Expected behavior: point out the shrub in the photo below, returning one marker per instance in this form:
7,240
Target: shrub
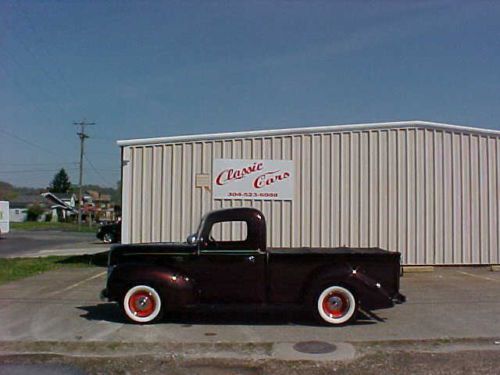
34,212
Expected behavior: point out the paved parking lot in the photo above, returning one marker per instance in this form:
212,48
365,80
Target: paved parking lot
21,243
64,306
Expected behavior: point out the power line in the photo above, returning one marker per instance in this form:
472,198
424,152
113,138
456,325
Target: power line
45,92
28,142
27,93
96,170
117,153
33,164
36,170
55,80
28,96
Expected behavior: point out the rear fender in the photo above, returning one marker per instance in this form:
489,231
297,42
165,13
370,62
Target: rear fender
176,288
369,293
332,274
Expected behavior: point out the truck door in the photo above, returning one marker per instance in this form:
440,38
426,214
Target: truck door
230,267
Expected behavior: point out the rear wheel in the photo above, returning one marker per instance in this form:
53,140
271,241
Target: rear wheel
335,305
142,304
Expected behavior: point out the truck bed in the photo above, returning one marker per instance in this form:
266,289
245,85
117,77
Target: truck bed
289,269
327,250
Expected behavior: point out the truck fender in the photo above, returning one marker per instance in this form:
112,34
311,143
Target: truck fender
335,274
175,288
369,293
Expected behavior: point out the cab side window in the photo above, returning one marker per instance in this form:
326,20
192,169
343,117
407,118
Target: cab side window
229,235
225,231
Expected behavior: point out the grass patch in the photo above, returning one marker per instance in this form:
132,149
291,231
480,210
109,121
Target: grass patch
68,227
18,268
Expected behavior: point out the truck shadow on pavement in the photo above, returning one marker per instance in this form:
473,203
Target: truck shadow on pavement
109,312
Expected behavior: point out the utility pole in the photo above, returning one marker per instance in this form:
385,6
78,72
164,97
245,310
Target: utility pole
81,134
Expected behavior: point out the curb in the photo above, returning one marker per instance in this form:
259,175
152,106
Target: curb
418,269
282,351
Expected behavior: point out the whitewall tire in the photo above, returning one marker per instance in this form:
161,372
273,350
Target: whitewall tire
108,238
142,304
336,305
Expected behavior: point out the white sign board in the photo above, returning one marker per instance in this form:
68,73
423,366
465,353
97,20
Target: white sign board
253,179
4,217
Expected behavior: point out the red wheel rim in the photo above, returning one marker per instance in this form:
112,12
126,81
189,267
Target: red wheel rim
142,304
335,304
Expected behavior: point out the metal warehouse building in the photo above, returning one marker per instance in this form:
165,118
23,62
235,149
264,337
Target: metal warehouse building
430,191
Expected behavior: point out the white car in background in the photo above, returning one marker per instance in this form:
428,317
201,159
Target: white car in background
4,217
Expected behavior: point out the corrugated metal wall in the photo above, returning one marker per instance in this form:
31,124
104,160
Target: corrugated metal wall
432,195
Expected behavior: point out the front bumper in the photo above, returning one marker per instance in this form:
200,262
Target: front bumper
398,298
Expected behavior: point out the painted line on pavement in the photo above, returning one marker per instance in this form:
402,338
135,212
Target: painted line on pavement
72,249
61,252
478,277
73,286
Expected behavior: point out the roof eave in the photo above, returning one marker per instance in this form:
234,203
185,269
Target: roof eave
308,130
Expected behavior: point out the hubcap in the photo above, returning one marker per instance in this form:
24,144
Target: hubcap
335,304
142,304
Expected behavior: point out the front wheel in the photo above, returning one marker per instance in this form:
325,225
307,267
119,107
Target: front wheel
335,305
142,304
108,238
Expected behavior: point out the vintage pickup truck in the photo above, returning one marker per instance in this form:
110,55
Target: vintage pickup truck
332,283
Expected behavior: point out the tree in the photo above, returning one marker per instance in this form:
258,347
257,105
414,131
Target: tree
34,212
7,192
60,183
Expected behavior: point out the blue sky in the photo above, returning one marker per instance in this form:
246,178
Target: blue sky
145,69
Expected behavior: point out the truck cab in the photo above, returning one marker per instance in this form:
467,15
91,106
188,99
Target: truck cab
236,267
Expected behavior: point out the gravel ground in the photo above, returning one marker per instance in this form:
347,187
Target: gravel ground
469,356
383,363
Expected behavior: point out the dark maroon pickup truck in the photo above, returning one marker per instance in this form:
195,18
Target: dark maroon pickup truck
332,283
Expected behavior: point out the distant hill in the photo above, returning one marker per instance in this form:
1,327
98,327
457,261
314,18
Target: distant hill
9,192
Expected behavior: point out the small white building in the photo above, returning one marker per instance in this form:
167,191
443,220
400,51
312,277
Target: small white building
427,190
18,215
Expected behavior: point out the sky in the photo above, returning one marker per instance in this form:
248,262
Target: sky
159,68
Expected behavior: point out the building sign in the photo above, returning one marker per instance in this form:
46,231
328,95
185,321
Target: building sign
253,179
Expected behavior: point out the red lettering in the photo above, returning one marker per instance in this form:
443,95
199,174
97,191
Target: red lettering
230,174
269,178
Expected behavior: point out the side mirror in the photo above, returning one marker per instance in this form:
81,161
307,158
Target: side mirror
192,239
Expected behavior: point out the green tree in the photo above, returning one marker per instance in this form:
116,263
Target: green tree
60,183
7,192
34,212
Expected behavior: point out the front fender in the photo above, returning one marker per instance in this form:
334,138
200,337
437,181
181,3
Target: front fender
175,288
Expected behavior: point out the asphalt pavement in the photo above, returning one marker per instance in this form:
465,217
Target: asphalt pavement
55,322
450,303
20,243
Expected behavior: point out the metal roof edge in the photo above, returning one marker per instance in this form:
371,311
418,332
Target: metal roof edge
307,130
